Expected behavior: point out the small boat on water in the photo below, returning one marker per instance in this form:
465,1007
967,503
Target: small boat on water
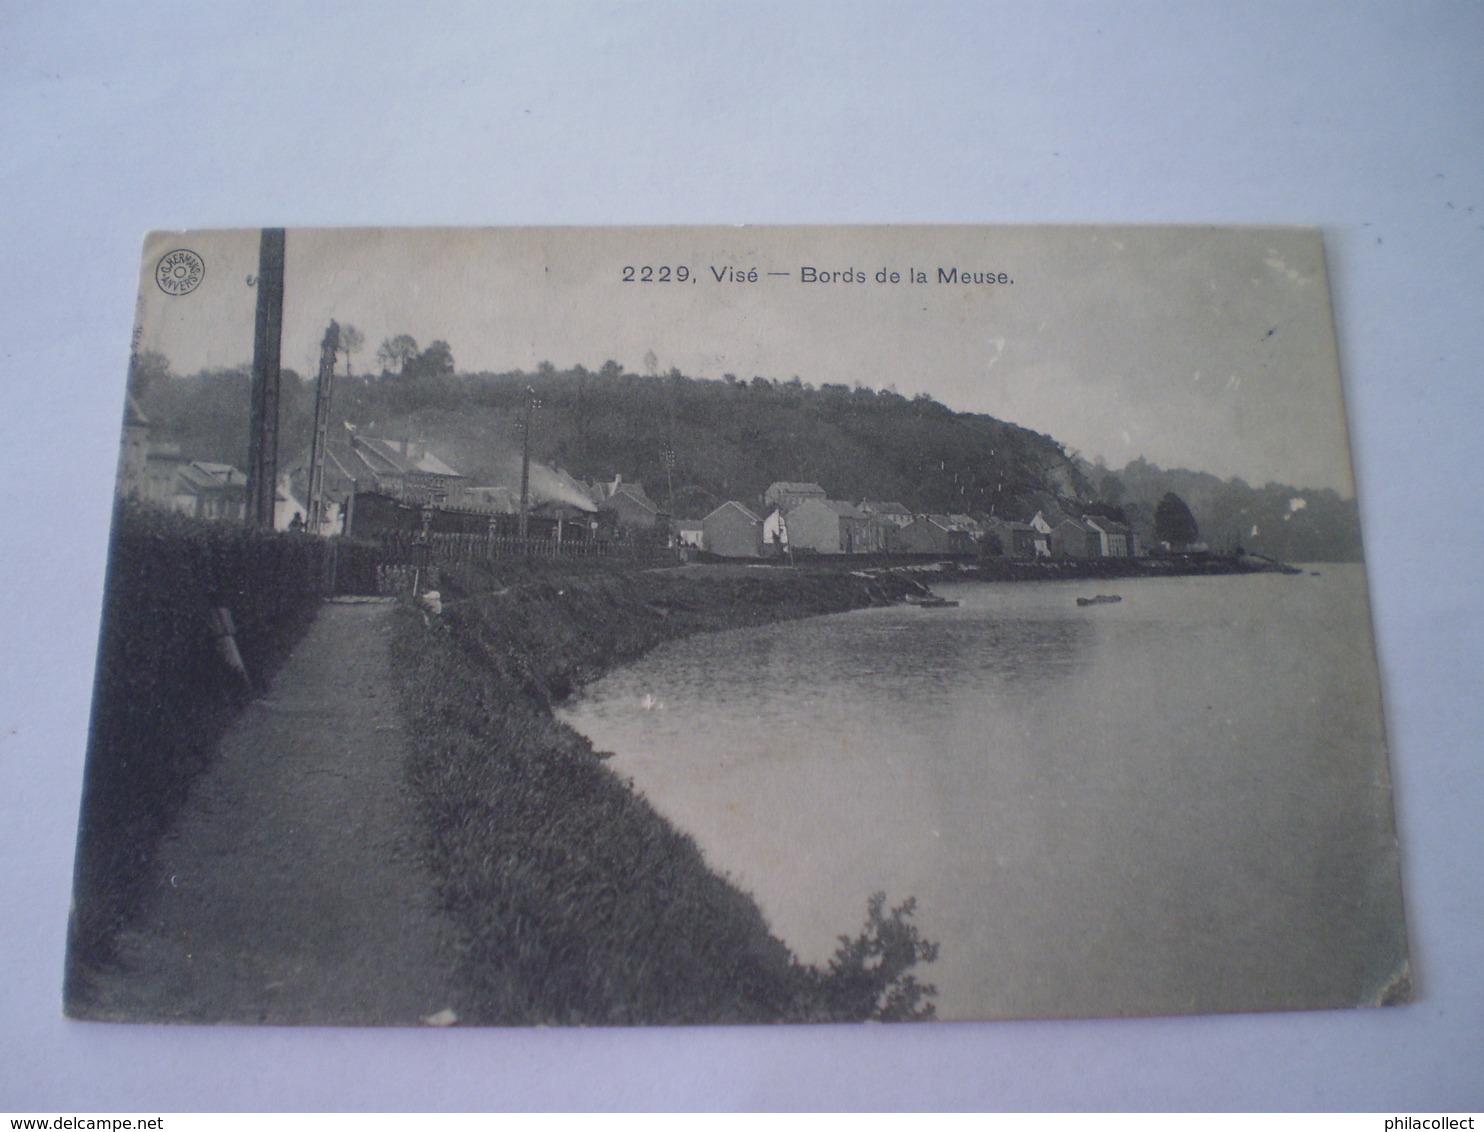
929,601
1101,599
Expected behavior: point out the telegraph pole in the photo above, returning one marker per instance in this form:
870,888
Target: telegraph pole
262,449
668,455
327,351
525,459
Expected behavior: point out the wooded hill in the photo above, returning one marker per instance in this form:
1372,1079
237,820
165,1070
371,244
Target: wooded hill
731,438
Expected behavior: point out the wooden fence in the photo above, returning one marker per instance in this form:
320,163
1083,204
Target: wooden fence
474,548
404,549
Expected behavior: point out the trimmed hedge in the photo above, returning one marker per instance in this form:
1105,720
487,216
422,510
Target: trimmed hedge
164,693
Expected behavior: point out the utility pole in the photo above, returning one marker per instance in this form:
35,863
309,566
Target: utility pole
323,392
668,455
262,449
525,459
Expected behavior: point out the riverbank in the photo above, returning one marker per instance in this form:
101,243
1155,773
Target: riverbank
1152,566
976,568
575,901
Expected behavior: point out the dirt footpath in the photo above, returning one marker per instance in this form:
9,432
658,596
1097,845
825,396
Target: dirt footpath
292,889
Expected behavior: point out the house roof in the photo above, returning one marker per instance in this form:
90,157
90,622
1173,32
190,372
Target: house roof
201,475
786,487
1107,526
601,491
1051,516
942,522
843,509
226,473
339,465
636,493
388,458
877,507
351,457
739,506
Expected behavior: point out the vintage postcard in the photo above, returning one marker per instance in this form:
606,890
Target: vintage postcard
733,625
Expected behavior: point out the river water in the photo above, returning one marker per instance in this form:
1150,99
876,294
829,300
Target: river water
1177,803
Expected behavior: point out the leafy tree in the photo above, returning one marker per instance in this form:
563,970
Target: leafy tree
206,414
870,977
1173,522
351,341
396,353
435,361
146,368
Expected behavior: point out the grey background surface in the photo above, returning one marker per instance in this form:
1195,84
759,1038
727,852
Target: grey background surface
1365,119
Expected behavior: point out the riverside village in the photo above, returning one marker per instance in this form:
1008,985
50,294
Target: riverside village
401,493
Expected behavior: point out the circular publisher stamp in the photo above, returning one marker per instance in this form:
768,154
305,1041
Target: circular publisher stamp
180,272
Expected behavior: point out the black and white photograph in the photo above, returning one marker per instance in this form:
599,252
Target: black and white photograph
701,625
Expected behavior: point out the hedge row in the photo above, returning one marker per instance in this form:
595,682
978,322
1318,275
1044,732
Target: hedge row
164,690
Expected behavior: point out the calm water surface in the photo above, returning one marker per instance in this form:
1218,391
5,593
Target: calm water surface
1175,803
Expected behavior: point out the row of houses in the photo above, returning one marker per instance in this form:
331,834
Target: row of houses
795,517
1054,534
402,471
409,472
801,517
159,474
156,472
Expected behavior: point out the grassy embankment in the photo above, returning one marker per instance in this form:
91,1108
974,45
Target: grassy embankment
578,902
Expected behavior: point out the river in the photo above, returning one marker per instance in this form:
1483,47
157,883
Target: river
1177,803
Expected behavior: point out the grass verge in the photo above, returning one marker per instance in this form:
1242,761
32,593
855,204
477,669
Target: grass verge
576,901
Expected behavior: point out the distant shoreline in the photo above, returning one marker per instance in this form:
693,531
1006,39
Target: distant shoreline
974,568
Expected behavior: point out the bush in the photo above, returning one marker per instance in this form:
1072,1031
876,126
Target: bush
868,977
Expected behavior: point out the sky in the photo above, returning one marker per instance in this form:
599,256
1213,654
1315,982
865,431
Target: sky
1206,348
